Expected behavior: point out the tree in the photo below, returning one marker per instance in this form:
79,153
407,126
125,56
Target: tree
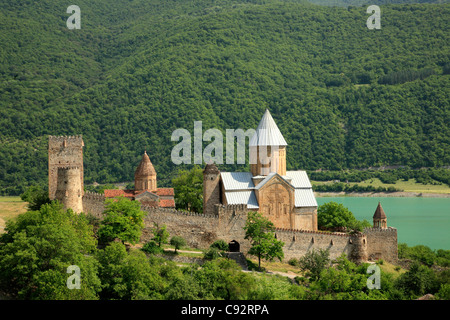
188,186
124,220
37,249
260,232
314,262
36,196
126,275
161,235
332,215
177,242
418,281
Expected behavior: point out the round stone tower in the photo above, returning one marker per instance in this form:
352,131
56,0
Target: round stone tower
145,175
211,188
69,189
358,252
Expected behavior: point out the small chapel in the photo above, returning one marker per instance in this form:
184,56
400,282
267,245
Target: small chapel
284,197
145,187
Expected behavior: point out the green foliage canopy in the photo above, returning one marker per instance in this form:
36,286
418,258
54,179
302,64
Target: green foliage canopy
124,220
260,232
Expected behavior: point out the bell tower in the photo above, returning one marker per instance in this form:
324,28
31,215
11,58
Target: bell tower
379,218
145,175
267,148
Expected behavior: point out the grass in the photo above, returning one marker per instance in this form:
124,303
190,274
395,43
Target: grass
276,266
407,186
10,208
390,268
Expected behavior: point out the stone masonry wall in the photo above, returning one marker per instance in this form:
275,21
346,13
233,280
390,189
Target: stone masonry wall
94,203
200,230
382,244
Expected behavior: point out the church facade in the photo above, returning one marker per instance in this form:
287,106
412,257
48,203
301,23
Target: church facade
284,197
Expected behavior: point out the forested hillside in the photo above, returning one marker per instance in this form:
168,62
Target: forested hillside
343,96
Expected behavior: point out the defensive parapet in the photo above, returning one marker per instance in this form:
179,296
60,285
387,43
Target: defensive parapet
382,244
298,242
63,151
94,203
158,211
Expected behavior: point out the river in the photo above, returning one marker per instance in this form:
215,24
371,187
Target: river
418,220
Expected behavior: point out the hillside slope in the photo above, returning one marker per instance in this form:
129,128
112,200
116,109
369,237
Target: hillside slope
138,70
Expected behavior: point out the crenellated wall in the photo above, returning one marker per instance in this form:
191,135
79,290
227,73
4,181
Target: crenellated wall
228,221
382,244
298,242
199,230
94,203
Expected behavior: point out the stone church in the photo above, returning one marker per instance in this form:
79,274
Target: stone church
285,197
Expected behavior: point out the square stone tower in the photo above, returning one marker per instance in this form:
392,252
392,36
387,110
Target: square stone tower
64,152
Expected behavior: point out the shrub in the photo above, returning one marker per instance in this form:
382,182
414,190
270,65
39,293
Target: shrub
212,253
293,262
220,245
152,248
177,242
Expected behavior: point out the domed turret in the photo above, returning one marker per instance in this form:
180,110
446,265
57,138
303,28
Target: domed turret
379,218
145,175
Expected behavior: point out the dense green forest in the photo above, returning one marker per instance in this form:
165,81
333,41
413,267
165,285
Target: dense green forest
343,96
347,3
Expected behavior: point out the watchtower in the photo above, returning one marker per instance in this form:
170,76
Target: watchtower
211,188
69,190
64,152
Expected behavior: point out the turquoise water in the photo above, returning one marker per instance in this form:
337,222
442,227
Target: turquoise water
418,220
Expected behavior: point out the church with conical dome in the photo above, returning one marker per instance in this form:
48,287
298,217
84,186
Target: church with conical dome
285,197
145,187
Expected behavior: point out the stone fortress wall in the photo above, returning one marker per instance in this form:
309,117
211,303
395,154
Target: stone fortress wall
201,230
222,222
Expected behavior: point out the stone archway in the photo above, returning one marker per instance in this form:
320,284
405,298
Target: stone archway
234,246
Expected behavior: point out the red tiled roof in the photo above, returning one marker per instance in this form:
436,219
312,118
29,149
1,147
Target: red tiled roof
164,192
111,193
167,203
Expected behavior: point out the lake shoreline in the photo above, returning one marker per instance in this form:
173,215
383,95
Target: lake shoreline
382,194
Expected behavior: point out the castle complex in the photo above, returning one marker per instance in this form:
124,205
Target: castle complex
284,197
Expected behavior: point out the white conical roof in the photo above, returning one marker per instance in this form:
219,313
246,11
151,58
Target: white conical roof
267,133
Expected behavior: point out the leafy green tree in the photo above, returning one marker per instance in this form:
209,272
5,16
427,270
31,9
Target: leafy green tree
36,196
178,242
223,279
37,249
260,232
314,262
418,281
188,187
332,215
160,234
124,220
127,276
